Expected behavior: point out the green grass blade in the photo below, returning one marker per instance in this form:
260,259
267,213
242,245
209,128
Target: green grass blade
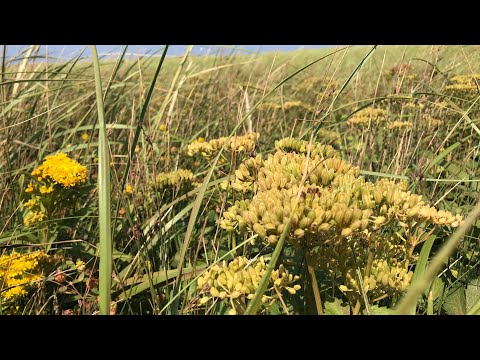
422,264
440,156
410,299
104,216
142,117
255,303
359,66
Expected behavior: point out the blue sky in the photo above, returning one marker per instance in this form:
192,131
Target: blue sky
67,51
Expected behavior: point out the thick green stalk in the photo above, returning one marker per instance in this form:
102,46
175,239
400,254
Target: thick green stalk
104,216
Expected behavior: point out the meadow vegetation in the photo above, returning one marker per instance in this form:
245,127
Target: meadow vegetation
334,181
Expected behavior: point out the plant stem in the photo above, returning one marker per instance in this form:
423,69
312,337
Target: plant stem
316,291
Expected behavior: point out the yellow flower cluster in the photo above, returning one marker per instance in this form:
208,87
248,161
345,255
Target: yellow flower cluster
287,105
61,170
239,144
400,125
414,105
364,116
34,217
240,279
431,122
464,85
291,144
329,136
295,105
386,278
173,179
18,272
316,83
336,212
128,189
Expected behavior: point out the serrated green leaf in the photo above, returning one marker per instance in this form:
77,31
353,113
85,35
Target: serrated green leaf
455,303
336,308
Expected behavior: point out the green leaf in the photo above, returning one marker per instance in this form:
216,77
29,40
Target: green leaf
473,293
421,265
455,303
437,288
440,156
335,308
380,310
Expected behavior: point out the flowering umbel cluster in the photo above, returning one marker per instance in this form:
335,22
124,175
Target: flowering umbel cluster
238,280
367,115
19,272
344,221
173,180
244,144
53,182
464,85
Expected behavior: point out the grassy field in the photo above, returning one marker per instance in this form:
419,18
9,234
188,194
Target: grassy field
332,181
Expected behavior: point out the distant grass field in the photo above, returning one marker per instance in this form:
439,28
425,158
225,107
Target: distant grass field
196,217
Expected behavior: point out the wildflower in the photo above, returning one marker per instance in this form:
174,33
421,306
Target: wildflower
128,189
173,179
80,265
400,125
240,278
85,137
29,188
163,128
20,271
337,212
46,190
296,104
239,144
34,217
31,203
61,170
367,115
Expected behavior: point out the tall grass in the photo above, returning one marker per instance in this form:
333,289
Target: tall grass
152,245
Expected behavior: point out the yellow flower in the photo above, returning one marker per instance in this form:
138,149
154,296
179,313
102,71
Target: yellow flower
85,137
33,217
163,127
46,190
20,271
29,188
61,170
80,265
31,203
128,189
201,139
173,179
